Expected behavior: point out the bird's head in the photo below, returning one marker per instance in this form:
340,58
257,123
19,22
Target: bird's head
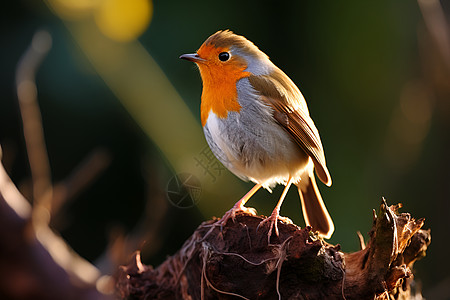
223,60
227,54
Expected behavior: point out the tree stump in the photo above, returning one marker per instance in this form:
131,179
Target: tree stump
236,262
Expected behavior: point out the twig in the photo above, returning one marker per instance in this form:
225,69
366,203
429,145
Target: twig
362,244
32,124
76,267
437,25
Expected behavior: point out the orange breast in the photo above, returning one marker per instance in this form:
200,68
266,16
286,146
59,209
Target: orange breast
219,93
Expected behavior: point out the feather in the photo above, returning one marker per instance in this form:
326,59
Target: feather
291,112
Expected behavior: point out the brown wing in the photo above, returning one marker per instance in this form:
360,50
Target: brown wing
292,113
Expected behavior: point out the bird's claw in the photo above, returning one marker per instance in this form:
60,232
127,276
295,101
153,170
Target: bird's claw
273,220
273,226
231,214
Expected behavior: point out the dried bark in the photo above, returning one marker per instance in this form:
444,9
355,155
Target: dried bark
236,262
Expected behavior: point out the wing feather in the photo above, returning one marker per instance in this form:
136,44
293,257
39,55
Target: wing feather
291,111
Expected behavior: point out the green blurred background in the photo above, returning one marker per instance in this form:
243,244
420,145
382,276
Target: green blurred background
375,76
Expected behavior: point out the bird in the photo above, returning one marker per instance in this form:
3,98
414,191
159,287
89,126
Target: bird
257,123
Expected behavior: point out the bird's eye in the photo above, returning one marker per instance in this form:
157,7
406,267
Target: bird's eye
224,56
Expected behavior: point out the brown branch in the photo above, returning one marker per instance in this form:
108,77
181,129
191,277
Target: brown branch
434,18
32,124
36,262
237,263
29,269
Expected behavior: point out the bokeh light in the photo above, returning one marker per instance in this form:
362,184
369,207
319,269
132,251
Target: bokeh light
123,20
120,20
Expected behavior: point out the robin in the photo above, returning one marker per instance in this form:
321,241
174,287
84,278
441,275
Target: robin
257,124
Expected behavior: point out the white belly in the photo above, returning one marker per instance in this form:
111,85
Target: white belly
255,148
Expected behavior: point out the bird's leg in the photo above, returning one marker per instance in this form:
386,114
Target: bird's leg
275,216
231,214
239,206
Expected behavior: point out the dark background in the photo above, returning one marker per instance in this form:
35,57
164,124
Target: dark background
374,76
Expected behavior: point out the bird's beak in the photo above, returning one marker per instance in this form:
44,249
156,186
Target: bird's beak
192,57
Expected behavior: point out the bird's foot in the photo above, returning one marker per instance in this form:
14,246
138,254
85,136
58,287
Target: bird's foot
273,223
231,214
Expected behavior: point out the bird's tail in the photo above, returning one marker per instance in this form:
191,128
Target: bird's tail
314,210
